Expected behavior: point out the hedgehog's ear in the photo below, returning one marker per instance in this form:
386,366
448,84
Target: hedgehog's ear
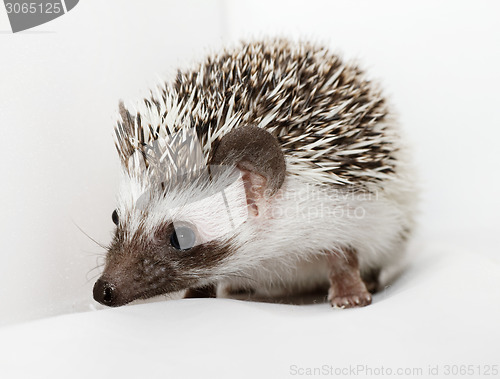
258,155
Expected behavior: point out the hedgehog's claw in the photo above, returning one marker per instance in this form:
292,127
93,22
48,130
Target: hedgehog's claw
350,301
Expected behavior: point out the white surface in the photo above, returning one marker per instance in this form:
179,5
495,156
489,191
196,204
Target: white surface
443,311
59,88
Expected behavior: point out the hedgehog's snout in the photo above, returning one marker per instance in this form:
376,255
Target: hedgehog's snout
105,293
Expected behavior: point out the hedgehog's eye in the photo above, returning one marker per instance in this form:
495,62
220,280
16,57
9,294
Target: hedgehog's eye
114,217
183,238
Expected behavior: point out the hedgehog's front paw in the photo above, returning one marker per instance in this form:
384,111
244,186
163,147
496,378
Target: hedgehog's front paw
201,292
350,301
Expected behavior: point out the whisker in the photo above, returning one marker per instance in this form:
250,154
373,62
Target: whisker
97,266
93,277
94,254
92,239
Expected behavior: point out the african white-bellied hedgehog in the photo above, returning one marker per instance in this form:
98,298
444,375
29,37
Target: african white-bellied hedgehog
272,166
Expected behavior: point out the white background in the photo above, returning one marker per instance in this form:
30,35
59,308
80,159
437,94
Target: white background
60,84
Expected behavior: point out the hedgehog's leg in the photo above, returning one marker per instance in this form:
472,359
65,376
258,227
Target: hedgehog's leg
206,291
371,279
347,289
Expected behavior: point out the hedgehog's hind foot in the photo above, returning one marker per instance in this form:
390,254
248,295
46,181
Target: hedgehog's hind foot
347,289
350,301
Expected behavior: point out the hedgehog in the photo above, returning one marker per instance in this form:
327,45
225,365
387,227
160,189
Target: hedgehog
272,167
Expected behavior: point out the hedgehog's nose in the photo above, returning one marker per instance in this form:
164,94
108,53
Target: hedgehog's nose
105,293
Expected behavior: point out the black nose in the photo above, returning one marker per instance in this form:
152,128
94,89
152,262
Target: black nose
105,293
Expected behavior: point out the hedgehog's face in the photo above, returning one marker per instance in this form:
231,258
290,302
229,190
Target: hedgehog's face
165,260
173,237
165,242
